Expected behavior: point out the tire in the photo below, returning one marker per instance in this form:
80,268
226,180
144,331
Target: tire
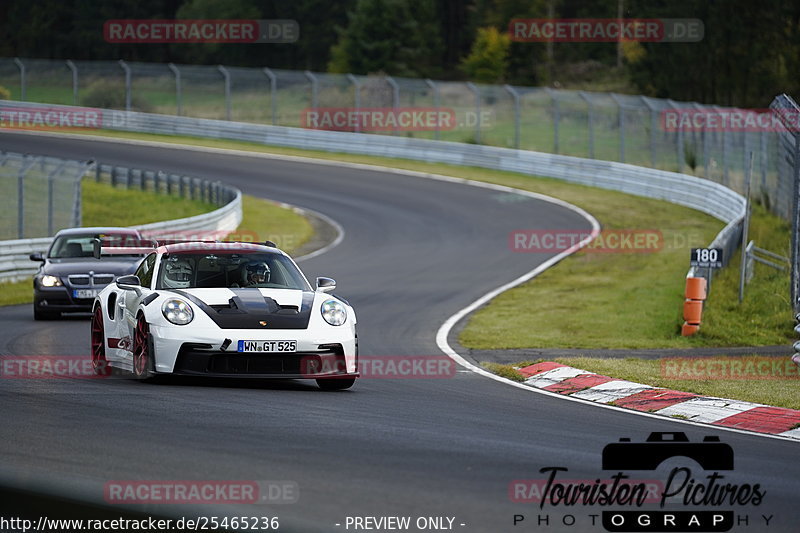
331,384
45,315
100,365
143,367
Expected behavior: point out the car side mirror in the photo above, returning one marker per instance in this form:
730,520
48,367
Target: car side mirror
326,284
129,283
37,257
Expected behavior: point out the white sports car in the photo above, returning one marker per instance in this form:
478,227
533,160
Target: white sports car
226,310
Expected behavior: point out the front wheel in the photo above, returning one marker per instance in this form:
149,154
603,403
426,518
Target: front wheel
143,367
335,383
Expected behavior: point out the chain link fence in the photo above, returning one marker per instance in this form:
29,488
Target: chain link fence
39,195
606,126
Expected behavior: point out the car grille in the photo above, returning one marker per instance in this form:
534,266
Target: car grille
84,280
194,360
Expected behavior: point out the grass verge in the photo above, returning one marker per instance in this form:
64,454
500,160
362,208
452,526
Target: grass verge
782,391
104,205
605,300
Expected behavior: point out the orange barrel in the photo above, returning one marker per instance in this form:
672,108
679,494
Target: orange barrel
696,288
689,329
692,311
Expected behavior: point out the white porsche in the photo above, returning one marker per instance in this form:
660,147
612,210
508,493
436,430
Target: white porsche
226,310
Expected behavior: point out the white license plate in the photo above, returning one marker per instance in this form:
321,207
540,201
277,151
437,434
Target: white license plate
84,293
267,346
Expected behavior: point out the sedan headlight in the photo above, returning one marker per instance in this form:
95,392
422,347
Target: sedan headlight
50,281
333,312
177,311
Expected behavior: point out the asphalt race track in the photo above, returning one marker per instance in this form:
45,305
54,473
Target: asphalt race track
415,252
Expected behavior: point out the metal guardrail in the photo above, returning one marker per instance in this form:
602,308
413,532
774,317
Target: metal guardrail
697,193
14,261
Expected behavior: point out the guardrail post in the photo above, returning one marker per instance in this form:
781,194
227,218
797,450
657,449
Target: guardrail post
74,70
515,95
127,71
23,79
273,93
436,104
395,97
356,97
471,86
227,77
178,88
314,88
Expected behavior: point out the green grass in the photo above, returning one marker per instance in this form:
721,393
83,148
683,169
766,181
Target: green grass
104,205
602,300
261,220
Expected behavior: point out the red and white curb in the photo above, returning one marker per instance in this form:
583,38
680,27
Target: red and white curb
576,383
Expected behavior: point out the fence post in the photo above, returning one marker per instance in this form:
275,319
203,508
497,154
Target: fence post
515,95
395,96
436,104
77,197
314,87
764,161
23,80
273,93
127,71
356,97
621,125
556,117
21,195
227,79
590,121
471,86
178,88
74,70
50,179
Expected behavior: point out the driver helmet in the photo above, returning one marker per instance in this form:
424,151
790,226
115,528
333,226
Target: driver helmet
256,273
178,273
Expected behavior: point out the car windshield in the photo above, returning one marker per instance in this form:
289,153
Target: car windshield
231,270
81,245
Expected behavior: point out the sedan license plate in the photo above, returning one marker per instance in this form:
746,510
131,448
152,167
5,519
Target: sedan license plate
267,346
84,293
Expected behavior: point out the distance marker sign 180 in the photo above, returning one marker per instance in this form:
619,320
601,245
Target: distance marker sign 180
706,257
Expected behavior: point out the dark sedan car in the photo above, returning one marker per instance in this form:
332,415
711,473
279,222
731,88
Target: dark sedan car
70,276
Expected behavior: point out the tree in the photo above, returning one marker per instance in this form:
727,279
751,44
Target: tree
488,60
399,37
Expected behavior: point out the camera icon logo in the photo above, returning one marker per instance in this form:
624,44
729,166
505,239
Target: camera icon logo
711,454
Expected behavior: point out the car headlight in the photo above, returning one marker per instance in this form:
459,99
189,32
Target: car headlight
50,281
177,311
333,312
